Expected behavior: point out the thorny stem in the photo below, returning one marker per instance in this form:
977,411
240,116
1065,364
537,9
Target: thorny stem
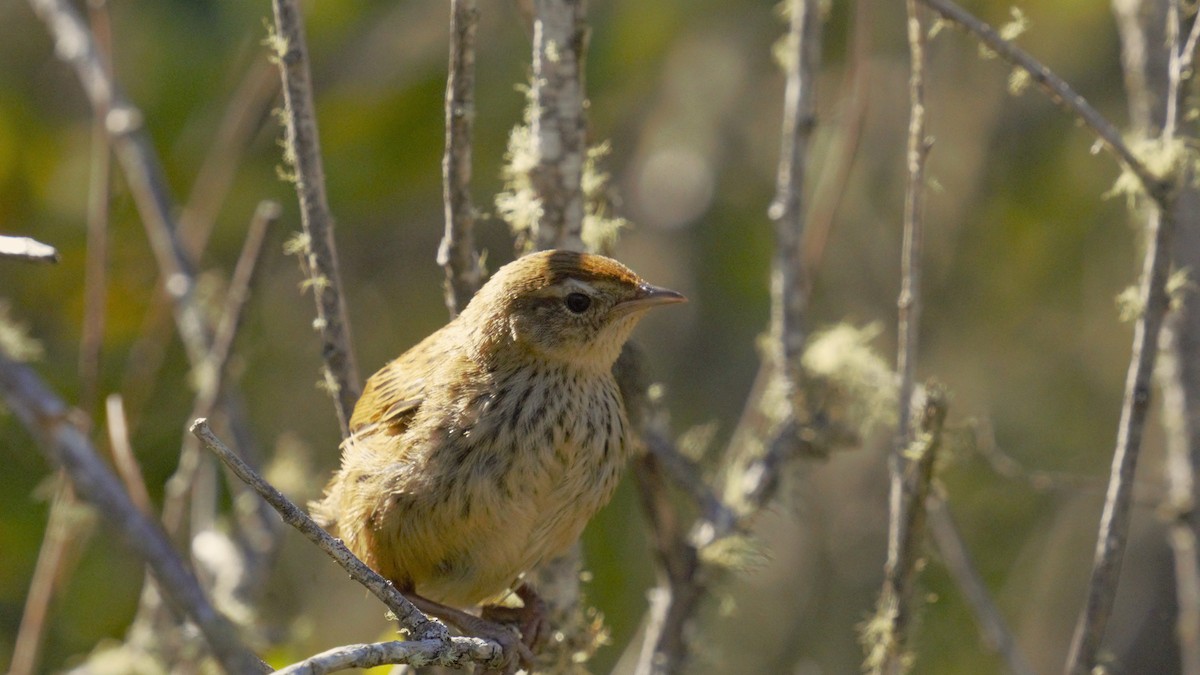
457,251
320,254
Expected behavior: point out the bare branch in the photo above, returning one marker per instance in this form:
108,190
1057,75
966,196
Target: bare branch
460,652
849,132
1179,505
681,586
910,472
1114,521
48,419
209,373
457,252
1061,93
123,457
789,282
95,282
65,533
27,249
418,625
243,117
559,126
909,303
957,559
124,124
320,255
886,635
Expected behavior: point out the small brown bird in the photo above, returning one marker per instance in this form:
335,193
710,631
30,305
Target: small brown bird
485,449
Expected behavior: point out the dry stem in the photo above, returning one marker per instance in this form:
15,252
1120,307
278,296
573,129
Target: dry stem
457,251
48,419
320,254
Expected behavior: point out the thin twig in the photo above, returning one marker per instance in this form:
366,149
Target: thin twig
95,283
886,635
559,125
457,252
957,559
459,653
1114,521
64,536
320,254
681,586
243,117
244,114
46,417
123,457
124,124
789,282
418,625
910,474
835,175
1059,92
27,249
209,374
909,303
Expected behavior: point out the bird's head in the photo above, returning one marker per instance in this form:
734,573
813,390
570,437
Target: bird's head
563,306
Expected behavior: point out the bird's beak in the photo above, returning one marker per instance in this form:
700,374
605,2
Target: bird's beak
648,296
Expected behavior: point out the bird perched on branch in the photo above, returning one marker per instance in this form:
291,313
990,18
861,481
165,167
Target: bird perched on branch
484,450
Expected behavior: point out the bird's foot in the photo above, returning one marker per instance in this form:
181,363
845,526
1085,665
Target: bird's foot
517,654
530,619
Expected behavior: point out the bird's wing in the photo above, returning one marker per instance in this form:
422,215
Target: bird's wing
394,394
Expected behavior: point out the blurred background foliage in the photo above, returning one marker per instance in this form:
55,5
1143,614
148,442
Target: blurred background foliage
1024,258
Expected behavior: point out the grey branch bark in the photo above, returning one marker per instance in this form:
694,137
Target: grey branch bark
457,654
559,125
1154,65
27,249
1114,521
48,419
457,254
910,472
418,625
320,255
789,282
886,637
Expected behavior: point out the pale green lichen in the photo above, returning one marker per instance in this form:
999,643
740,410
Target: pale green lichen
1163,159
519,206
15,340
849,382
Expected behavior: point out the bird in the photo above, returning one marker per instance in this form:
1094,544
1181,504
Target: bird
484,450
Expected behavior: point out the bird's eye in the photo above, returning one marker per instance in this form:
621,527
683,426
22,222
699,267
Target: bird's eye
578,302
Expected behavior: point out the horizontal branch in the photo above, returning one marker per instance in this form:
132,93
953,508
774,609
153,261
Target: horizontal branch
27,249
49,419
460,652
